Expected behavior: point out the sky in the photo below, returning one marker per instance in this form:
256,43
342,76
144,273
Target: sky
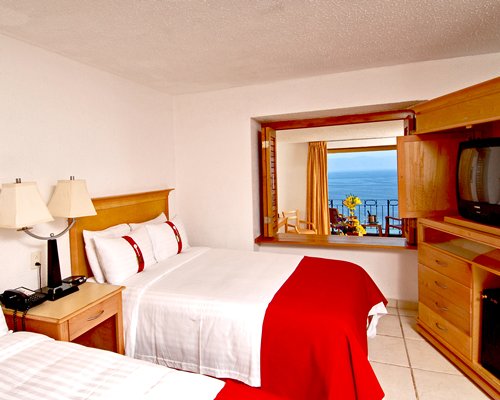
362,161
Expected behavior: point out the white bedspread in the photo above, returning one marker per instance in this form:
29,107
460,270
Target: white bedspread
203,310
33,366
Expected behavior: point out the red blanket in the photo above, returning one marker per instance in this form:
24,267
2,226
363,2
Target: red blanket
314,343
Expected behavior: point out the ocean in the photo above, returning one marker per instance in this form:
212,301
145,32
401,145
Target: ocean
367,185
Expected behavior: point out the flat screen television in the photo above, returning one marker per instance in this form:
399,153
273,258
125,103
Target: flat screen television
478,180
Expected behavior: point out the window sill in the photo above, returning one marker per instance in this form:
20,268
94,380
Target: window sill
293,239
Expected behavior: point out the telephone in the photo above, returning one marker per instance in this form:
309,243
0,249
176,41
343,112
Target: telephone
21,298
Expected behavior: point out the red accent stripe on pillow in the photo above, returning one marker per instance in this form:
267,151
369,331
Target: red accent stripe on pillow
177,235
138,252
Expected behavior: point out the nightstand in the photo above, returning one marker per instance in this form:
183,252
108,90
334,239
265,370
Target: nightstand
92,317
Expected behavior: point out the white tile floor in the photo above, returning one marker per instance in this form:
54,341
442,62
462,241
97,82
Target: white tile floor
408,367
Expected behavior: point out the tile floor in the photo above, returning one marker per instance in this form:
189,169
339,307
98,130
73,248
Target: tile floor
408,367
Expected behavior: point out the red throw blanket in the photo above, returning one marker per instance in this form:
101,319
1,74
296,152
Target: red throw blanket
314,343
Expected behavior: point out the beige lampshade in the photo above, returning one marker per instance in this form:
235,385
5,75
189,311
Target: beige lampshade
71,200
21,205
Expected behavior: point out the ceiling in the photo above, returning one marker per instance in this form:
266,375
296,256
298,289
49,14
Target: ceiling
185,46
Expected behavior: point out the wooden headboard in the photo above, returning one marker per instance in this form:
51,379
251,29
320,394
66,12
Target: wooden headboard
114,210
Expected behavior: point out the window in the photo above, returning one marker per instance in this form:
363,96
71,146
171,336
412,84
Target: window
278,182
371,175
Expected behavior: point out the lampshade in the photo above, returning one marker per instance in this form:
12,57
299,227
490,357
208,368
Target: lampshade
21,205
71,199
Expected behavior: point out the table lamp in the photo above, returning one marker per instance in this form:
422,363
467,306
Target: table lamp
21,207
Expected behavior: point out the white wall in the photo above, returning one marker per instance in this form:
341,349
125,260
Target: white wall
216,141
61,118
291,166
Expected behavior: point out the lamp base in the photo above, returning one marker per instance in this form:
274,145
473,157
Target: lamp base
58,292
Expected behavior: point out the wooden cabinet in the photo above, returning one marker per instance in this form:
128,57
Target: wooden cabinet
470,106
427,159
457,260
92,317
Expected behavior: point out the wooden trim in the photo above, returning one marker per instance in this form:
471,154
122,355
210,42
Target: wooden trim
340,120
362,149
114,210
364,242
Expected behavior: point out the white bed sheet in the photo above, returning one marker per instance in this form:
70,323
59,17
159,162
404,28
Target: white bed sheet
203,310
33,366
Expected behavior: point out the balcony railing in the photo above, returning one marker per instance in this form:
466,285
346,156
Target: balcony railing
380,208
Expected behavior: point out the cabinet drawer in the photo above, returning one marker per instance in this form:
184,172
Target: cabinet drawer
447,265
442,306
445,330
447,288
92,317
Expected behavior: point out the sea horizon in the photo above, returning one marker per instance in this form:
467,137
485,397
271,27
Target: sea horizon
367,185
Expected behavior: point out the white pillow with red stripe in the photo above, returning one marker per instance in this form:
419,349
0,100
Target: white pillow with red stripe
88,238
121,258
180,226
168,238
165,241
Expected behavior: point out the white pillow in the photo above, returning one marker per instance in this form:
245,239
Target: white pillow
3,325
158,220
88,237
119,260
180,226
164,240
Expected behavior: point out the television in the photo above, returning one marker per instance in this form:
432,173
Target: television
478,180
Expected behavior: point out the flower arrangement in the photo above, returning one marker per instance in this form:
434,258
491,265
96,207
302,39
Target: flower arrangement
359,228
351,202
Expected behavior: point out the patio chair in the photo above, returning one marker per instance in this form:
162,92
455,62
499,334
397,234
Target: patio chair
297,225
395,223
336,221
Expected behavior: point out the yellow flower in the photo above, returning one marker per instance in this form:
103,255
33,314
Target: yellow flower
351,202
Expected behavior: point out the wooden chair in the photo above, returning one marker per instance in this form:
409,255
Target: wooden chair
336,220
396,223
298,225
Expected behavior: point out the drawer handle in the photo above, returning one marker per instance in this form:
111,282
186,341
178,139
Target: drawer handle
440,285
95,316
441,327
441,308
441,263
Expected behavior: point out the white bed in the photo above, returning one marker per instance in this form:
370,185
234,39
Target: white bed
183,314
34,366
203,310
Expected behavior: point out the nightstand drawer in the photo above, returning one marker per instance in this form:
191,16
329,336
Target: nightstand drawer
443,263
444,329
93,316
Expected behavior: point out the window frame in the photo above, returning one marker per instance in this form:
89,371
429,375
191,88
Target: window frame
270,235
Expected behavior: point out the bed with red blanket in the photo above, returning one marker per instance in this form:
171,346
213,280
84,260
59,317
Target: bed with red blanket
294,326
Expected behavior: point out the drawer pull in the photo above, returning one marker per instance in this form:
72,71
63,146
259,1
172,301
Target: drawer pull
441,327
441,308
440,285
95,316
441,263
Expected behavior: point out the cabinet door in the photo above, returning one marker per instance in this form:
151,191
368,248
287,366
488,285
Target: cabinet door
426,174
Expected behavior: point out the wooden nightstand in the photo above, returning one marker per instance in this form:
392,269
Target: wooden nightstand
92,317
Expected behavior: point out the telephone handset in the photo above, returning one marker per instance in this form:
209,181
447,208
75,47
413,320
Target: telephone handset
21,299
